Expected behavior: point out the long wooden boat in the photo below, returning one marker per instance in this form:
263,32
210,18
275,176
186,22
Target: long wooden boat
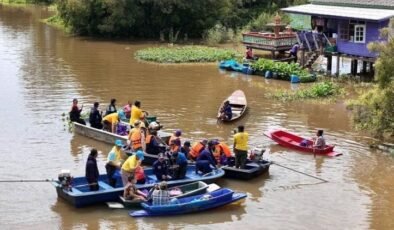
186,190
191,204
251,170
80,195
293,141
108,137
238,105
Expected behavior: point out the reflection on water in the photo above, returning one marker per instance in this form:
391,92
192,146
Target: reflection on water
42,70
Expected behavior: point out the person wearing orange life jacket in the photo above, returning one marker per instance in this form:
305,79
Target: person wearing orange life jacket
176,139
152,143
197,148
137,136
221,152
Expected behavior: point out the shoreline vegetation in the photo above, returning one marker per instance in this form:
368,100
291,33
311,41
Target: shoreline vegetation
186,54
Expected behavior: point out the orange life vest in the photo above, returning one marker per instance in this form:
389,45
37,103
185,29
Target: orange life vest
196,149
174,148
139,173
221,148
136,141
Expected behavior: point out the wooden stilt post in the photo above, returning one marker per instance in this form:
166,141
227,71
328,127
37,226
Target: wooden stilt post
355,66
338,62
364,70
329,64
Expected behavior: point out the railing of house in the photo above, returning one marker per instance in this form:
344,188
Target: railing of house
269,39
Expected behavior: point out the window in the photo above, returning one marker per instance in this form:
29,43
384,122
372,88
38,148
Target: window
344,31
359,33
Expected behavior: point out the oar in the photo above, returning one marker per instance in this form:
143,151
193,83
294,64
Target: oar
318,178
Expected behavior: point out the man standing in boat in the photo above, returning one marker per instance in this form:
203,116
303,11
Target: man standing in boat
114,162
241,147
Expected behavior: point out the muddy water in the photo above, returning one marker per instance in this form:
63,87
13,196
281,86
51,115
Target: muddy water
42,69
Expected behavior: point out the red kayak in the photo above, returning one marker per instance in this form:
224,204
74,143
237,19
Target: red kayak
293,141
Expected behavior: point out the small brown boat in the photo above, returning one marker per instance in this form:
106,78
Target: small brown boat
238,105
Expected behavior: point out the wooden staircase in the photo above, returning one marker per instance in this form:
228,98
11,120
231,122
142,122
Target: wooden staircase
312,58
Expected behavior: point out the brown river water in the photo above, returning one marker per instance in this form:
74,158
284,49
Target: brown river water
42,70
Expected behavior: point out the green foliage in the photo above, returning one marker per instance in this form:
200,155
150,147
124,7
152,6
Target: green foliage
318,90
374,110
284,69
260,23
184,54
219,34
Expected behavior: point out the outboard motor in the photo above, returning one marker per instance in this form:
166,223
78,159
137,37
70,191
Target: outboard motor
65,179
257,154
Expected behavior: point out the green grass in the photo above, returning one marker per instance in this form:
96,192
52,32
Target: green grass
316,91
57,22
185,54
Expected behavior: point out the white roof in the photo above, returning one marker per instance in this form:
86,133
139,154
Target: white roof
341,11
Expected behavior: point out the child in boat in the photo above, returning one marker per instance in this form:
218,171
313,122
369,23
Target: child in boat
319,142
131,192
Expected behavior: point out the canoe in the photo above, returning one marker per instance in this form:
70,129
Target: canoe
238,104
293,141
191,204
80,195
108,137
252,170
186,190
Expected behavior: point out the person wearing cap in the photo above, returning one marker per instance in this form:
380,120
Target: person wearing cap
161,196
205,160
127,109
130,165
241,147
137,136
91,171
131,192
185,149
114,161
176,140
111,107
75,113
136,113
221,152
110,121
160,168
152,143
95,117
180,165
226,112
197,148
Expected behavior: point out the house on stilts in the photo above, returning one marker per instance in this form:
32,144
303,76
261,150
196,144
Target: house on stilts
340,29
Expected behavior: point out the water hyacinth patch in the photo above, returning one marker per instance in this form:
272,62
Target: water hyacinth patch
185,54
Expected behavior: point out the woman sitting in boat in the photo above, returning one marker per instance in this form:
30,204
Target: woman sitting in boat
75,113
95,117
226,112
111,107
161,196
131,192
205,160
319,142
110,121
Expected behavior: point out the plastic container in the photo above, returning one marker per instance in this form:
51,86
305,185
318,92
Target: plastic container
151,119
268,74
294,79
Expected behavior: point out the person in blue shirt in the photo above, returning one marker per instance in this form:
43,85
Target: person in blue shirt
205,160
180,166
226,112
160,169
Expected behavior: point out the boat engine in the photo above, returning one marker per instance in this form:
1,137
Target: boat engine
257,154
65,179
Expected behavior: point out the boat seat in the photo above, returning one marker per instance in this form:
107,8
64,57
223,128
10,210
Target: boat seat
104,185
286,139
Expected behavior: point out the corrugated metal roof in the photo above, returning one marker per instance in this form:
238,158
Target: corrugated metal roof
340,11
358,3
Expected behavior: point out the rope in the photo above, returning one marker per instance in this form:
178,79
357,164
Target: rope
318,178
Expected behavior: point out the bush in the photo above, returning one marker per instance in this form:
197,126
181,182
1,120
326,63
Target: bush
182,54
318,90
219,34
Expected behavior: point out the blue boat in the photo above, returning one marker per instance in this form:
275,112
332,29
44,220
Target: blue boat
191,204
233,65
79,195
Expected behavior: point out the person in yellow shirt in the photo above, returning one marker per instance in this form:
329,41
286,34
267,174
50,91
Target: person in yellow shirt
131,164
241,147
114,161
111,120
136,113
